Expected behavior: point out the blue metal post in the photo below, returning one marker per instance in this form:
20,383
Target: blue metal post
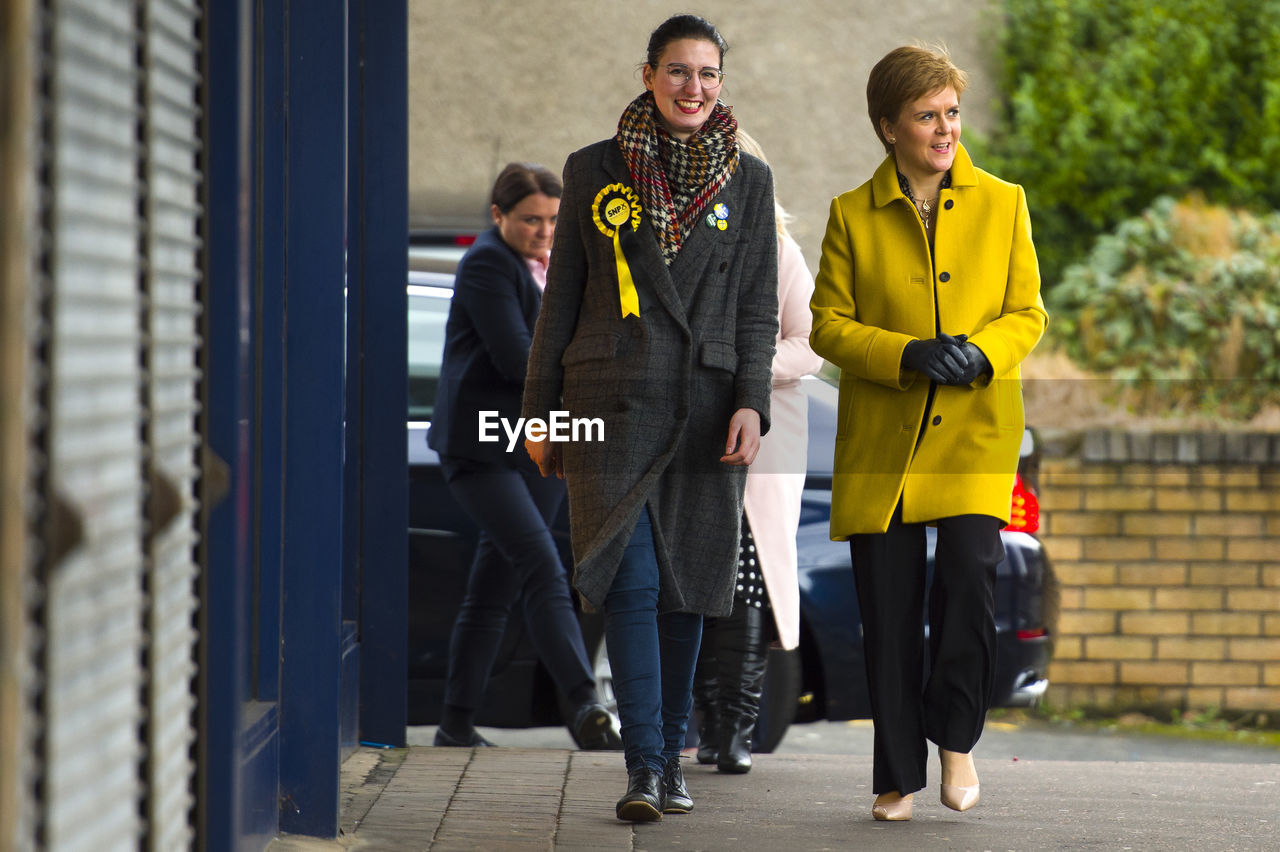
224,781
313,295
271,229
379,229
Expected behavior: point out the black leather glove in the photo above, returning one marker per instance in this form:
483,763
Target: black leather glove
941,361
975,362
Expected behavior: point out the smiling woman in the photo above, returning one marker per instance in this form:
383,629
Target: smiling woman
660,316
685,85
928,299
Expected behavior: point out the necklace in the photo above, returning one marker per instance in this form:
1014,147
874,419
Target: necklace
924,205
926,210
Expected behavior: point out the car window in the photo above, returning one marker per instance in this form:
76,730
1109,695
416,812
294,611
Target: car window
428,310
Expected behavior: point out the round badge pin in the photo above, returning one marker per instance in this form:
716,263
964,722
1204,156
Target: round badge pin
721,212
722,224
614,206
711,220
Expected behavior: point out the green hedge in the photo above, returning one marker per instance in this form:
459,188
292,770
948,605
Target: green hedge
1108,104
1181,306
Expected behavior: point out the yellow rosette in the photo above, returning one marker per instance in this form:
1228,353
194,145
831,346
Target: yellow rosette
614,205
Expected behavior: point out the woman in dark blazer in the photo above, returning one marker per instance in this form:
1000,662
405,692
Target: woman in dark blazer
497,293
659,321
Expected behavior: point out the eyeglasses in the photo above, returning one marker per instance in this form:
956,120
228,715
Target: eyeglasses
680,74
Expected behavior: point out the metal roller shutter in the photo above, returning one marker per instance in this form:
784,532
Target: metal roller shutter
21,334
90,748
171,214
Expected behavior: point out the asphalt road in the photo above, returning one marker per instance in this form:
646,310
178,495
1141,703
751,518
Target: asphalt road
1000,741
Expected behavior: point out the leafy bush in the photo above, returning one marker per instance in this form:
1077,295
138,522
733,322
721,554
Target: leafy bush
1108,105
1181,306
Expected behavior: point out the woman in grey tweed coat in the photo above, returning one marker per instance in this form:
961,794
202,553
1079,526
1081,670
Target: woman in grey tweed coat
659,321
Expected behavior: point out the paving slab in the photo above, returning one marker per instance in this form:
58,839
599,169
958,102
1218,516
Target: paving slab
524,798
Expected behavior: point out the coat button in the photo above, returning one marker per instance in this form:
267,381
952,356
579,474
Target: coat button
724,266
948,204
636,332
944,277
937,419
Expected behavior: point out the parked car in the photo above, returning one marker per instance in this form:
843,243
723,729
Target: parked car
823,679
440,249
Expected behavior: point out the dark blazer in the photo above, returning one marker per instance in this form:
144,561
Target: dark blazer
665,383
487,336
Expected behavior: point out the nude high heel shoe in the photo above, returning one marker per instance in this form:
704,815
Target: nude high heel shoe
892,807
958,797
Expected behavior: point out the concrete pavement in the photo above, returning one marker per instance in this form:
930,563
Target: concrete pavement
519,798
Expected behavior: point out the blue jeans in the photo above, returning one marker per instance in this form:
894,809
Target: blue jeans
652,656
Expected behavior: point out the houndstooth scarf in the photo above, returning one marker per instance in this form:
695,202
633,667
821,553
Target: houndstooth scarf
676,180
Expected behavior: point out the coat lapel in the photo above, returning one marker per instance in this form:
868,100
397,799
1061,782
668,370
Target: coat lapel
530,294
647,264
703,239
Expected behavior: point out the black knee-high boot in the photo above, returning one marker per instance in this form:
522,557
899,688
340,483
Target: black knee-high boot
705,693
742,655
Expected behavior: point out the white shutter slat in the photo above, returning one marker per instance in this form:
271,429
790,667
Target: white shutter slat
171,58
93,634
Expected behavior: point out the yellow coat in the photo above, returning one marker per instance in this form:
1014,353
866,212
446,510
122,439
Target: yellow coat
877,289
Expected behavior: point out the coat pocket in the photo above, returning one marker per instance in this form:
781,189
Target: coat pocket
592,347
1009,414
719,354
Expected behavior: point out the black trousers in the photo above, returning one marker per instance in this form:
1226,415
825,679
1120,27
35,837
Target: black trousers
516,562
950,705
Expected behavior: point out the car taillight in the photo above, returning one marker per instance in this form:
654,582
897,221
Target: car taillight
464,239
1037,633
1025,512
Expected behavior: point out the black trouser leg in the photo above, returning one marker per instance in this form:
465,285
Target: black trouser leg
705,693
741,653
516,563
888,570
962,630
951,708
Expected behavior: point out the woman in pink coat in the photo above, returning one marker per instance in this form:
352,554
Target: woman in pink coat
731,662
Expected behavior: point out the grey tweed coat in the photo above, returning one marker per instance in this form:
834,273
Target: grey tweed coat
665,383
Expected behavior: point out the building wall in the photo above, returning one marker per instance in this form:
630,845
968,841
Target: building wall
495,82
1167,548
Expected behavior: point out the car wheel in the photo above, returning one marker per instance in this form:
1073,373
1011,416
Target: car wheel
779,699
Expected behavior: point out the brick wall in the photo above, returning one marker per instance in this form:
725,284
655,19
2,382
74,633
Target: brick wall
1167,549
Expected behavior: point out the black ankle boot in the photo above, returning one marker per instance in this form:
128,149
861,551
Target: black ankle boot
471,740
644,799
742,656
678,800
735,744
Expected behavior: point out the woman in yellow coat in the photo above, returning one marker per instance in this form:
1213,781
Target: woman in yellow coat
927,298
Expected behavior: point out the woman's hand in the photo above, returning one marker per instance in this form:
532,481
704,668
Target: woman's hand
976,362
744,437
941,361
546,455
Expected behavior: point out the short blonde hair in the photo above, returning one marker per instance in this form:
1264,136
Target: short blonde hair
746,142
905,74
